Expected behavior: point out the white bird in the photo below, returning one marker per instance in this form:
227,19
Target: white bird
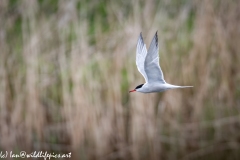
148,65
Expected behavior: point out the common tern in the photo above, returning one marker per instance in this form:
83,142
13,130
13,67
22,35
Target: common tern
148,65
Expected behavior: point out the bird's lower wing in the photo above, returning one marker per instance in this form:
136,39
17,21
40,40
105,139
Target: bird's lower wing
154,72
151,65
140,56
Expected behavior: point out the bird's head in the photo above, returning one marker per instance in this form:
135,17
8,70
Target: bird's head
136,89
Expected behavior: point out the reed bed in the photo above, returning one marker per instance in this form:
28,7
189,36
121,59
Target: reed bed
66,68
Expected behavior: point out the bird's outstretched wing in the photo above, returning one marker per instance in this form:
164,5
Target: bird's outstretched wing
140,56
151,63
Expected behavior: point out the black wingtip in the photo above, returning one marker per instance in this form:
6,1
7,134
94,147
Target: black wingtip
140,41
156,38
140,36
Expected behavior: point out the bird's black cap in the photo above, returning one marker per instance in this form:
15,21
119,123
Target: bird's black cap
139,86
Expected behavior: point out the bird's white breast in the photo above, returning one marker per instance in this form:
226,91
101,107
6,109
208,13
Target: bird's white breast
156,87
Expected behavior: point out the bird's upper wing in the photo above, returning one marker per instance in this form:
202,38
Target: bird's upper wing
151,64
140,56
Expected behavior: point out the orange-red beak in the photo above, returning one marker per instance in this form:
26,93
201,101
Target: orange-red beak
132,90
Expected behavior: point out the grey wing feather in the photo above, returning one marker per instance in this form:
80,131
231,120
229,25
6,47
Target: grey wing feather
151,64
140,56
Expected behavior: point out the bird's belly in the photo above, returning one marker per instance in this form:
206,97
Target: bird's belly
155,88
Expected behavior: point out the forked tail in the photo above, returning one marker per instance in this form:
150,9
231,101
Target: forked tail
185,86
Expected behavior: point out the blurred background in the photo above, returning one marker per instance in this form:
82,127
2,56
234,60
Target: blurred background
66,68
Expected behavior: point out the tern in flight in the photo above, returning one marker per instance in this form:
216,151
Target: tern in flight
148,65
